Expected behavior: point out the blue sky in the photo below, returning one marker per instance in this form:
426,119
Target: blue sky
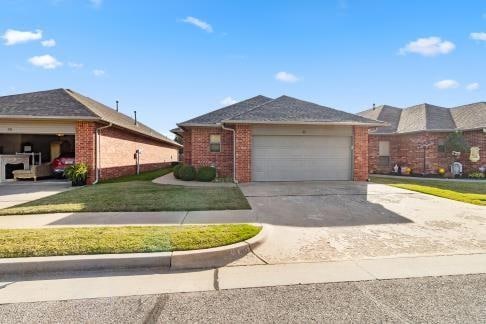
173,60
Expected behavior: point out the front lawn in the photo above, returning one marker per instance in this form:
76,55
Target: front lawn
129,239
133,196
469,192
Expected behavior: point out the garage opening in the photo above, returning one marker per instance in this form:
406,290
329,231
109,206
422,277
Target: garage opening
37,153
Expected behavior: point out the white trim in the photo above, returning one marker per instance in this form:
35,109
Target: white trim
301,123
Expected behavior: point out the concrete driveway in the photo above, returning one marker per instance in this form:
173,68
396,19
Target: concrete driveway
328,221
14,193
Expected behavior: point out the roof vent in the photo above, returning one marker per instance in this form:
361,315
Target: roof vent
374,106
117,105
135,114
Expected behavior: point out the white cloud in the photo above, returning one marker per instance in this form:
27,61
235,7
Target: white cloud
228,101
12,36
198,23
446,84
48,43
75,65
96,3
47,62
98,72
430,46
478,36
472,86
286,77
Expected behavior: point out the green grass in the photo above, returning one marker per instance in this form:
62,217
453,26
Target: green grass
129,239
134,196
469,192
143,176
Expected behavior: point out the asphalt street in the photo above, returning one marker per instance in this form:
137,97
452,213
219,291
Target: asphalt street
451,299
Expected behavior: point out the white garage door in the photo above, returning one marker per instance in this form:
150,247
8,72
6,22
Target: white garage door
300,158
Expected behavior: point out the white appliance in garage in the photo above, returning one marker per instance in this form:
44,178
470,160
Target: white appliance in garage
301,157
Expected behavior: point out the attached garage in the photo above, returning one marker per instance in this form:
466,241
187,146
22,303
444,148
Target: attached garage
301,153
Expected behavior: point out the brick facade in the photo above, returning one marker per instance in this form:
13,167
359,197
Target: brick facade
243,153
85,146
197,153
407,150
117,149
360,148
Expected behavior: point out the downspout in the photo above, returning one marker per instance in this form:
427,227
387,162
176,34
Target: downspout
97,152
234,151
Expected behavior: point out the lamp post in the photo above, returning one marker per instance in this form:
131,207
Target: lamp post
425,146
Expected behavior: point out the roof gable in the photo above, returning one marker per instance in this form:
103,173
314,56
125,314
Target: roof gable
286,109
217,116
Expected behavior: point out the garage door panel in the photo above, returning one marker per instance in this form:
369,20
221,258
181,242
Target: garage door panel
294,158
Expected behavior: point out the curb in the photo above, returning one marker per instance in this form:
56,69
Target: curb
179,260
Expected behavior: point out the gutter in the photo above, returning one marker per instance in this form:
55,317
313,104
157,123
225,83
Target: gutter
97,152
234,151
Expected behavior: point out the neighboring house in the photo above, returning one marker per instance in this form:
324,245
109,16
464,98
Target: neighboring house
283,139
62,121
415,136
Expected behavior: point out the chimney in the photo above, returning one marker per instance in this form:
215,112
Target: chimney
374,106
117,105
135,113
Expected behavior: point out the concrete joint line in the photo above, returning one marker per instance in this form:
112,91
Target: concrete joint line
381,305
184,218
216,279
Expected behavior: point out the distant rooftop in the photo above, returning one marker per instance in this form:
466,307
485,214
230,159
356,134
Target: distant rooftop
427,117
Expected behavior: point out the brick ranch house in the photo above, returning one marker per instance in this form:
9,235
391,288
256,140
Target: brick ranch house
283,139
62,121
421,131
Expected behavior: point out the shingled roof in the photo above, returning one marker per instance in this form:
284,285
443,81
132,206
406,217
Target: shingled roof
217,116
283,110
426,117
68,104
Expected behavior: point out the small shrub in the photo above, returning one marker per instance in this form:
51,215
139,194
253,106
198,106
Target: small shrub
187,173
206,174
476,175
176,170
77,173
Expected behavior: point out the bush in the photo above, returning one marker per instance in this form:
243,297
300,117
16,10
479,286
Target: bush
187,172
176,170
206,174
476,175
77,173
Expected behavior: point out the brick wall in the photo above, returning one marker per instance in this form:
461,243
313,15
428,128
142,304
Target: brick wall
243,153
85,146
197,153
117,149
360,145
406,150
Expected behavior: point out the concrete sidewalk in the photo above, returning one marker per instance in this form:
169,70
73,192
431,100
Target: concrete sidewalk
65,286
128,218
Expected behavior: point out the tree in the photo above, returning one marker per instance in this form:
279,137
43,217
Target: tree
456,142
